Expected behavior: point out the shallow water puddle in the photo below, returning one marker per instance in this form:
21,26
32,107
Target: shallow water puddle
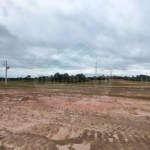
83,146
66,133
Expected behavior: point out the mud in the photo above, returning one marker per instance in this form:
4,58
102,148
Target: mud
52,119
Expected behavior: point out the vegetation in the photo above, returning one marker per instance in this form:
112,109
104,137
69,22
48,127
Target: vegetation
2,147
78,80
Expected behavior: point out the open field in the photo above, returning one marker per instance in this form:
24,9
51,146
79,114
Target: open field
113,83
75,117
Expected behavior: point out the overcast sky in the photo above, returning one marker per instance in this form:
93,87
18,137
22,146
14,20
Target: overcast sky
34,34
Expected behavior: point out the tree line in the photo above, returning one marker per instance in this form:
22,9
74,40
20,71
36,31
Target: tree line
66,78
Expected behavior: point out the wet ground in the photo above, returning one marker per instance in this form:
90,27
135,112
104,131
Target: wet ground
57,120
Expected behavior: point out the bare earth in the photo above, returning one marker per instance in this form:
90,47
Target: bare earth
54,120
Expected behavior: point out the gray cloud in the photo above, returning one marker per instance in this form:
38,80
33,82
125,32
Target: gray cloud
118,31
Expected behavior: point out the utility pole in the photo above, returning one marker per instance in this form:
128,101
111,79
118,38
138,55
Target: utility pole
22,78
146,78
110,77
95,79
95,73
95,70
6,68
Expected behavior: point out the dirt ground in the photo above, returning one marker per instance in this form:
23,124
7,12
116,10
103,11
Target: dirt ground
50,119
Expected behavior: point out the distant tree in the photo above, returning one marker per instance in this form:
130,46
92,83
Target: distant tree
66,77
39,79
56,76
28,76
43,79
80,78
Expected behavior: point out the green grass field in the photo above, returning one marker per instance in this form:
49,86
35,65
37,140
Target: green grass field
113,83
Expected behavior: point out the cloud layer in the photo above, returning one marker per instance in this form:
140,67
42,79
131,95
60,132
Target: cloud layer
31,32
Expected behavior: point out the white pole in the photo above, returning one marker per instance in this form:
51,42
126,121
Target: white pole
96,71
6,68
146,78
22,78
110,76
6,73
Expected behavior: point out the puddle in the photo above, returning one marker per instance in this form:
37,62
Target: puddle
66,133
83,146
64,147
62,134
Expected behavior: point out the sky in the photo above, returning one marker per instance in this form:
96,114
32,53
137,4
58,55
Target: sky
39,37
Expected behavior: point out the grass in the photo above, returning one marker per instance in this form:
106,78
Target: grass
114,83
2,147
86,89
16,84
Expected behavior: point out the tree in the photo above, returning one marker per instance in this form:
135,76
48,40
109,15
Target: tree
28,76
80,78
56,76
